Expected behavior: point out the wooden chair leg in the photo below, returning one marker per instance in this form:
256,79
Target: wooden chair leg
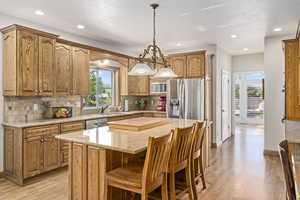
144,195
192,180
188,182
202,172
172,186
164,187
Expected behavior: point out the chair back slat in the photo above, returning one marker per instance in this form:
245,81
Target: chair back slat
181,147
157,157
287,170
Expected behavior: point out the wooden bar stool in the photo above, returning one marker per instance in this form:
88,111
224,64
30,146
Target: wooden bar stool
144,179
287,170
179,159
196,157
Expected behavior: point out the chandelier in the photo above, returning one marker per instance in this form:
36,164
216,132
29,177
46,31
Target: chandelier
152,55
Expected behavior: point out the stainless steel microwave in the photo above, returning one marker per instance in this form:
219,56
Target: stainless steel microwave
158,87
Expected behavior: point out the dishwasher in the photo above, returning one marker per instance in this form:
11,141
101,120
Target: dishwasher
95,123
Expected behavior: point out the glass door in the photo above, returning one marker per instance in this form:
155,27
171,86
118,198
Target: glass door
255,102
248,102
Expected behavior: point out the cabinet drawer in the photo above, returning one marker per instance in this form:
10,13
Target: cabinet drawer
110,119
72,126
41,130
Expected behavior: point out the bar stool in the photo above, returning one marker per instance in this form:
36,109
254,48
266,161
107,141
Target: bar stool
144,179
287,170
196,157
179,159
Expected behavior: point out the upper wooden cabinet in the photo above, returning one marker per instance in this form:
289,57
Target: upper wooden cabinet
195,66
63,70
188,65
133,85
292,79
178,65
46,66
80,71
28,61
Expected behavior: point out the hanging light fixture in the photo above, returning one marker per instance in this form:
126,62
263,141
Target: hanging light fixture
153,55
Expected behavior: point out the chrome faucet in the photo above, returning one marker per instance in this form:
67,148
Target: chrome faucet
102,109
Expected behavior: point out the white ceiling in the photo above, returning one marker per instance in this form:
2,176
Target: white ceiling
192,23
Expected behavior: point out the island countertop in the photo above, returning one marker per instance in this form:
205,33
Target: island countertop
122,140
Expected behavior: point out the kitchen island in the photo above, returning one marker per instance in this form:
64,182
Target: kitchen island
94,152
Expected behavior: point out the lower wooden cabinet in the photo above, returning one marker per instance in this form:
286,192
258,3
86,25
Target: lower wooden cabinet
41,150
64,146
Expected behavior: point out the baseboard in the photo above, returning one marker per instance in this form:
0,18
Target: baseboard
268,152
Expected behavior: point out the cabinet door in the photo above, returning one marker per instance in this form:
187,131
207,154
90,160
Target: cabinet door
195,66
51,152
80,71
27,51
63,70
178,65
123,80
46,66
33,156
9,64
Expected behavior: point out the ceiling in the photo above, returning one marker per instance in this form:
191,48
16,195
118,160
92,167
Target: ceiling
192,23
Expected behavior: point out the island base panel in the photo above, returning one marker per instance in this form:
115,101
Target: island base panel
87,168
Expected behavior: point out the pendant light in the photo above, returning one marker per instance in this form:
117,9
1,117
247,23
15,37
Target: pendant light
152,55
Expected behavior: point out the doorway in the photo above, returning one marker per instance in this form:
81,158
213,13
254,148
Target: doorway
248,98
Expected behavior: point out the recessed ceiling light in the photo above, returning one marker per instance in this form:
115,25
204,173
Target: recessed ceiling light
39,12
278,29
178,44
80,26
233,36
245,49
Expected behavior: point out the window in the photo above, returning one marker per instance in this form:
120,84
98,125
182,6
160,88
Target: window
102,89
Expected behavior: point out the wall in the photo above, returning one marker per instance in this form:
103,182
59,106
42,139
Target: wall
274,97
223,61
248,63
8,20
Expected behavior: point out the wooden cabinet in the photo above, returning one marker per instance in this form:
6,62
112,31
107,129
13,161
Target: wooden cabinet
28,62
27,59
189,65
46,66
195,65
33,156
292,78
10,63
63,70
64,146
41,150
178,65
80,71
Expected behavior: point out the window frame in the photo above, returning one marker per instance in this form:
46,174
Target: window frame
114,87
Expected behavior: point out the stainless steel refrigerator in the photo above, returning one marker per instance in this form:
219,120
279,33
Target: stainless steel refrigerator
185,98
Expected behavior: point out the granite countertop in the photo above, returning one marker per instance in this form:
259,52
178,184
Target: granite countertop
122,140
77,118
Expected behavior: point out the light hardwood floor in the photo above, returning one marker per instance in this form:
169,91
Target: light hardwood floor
238,171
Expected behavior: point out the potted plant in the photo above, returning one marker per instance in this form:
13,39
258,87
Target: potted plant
141,104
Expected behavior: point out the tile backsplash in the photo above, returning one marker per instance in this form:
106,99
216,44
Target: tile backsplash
22,109
18,109
152,102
